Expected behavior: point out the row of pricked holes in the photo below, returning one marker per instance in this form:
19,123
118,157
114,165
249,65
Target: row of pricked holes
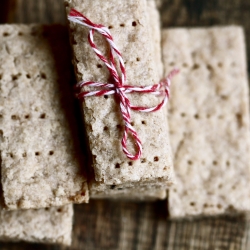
37,153
196,116
16,117
205,205
134,24
219,206
143,160
185,65
196,66
7,34
119,127
215,163
32,33
99,66
237,115
59,210
15,77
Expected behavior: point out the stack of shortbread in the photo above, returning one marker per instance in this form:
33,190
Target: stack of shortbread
44,167
40,163
113,173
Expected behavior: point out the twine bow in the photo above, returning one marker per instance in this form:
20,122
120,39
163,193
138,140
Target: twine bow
118,87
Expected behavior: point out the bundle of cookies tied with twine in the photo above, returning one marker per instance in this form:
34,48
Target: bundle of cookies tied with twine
133,139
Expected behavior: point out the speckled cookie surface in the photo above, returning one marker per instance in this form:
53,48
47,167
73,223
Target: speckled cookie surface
104,125
50,225
137,191
155,29
209,121
39,152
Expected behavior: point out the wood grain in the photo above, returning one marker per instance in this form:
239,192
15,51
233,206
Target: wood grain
112,225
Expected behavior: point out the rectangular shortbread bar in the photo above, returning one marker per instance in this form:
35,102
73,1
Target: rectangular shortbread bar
39,149
136,191
46,225
104,126
209,120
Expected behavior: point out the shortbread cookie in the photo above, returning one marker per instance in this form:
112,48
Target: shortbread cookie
46,225
102,117
136,191
209,120
39,149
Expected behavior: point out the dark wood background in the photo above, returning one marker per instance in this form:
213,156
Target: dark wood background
110,225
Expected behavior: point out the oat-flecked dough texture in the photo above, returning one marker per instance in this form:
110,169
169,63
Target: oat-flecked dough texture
209,120
135,190
46,225
40,158
155,28
103,122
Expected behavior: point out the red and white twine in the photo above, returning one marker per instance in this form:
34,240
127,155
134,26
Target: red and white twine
118,87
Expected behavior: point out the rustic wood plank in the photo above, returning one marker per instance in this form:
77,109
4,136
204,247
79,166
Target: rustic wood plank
125,225
5,10
29,11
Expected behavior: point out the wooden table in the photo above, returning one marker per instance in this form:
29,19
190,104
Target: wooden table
112,225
